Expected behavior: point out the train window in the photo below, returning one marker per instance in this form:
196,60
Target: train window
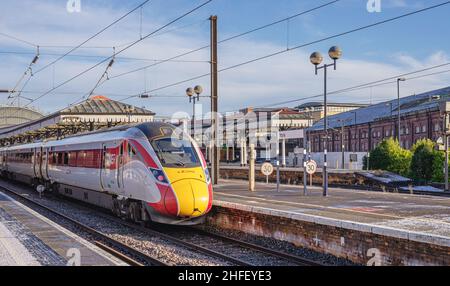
60,158
176,152
66,158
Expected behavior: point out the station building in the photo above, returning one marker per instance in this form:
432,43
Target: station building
95,113
13,115
365,128
316,110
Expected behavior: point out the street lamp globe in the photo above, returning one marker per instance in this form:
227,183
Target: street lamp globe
190,92
335,53
316,58
198,89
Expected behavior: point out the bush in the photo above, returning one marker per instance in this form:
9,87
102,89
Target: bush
427,163
389,156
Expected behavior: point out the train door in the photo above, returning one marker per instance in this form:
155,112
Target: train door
41,162
45,161
120,168
104,169
34,162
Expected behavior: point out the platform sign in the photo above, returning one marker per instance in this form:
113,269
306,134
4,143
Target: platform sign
311,167
267,169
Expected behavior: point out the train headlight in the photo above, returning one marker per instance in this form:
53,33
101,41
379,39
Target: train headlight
159,176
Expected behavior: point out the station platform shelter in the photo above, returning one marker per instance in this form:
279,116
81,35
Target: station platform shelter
95,113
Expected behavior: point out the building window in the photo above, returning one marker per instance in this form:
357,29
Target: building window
424,129
437,127
388,133
417,129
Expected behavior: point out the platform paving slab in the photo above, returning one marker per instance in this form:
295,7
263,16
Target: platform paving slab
29,239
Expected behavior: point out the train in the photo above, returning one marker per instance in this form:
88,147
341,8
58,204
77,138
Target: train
148,172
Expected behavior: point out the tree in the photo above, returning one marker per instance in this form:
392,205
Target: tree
427,163
389,156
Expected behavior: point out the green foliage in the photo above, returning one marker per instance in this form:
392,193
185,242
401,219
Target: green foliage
427,163
389,156
423,163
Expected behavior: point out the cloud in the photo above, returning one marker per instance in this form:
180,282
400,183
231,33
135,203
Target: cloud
281,78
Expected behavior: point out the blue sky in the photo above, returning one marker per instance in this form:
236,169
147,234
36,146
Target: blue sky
405,45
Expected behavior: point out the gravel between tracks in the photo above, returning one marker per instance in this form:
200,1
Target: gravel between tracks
150,245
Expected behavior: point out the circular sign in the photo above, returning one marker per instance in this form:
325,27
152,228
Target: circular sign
267,169
311,167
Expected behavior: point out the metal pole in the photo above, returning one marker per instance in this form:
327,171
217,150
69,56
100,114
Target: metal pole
214,100
446,152
343,146
446,164
251,176
325,150
278,174
305,175
193,119
398,102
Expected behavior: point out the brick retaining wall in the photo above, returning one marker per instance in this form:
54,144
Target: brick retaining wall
342,239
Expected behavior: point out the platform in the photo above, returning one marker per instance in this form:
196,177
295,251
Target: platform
424,220
29,239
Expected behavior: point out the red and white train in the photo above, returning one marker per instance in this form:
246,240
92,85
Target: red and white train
142,172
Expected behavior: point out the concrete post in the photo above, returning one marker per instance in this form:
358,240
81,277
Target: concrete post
242,152
283,152
228,154
245,153
251,175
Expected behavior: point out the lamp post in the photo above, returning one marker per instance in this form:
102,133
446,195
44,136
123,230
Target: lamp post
194,96
398,100
316,58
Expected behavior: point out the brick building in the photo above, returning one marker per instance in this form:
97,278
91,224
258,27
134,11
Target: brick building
366,127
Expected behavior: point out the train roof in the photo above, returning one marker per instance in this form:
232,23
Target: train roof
151,130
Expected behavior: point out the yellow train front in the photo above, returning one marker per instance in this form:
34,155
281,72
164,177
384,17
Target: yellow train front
181,175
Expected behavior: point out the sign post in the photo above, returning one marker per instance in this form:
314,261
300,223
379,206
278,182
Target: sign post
311,169
267,170
251,177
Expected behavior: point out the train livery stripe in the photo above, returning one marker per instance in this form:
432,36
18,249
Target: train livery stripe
145,155
168,204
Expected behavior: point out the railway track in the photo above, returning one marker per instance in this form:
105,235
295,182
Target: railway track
238,251
227,249
114,247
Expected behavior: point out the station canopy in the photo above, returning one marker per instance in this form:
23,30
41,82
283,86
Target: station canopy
95,113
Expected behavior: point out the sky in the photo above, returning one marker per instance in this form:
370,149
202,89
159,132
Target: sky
409,44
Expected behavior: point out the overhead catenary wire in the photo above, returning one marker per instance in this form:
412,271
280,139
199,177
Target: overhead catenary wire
99,56
129,42
18,39
92,37
365,86
304,45
228,39
124,49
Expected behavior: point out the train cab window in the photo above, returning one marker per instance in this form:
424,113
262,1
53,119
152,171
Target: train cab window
131,151
176,152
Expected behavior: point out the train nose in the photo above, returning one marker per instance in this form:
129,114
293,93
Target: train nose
193,197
